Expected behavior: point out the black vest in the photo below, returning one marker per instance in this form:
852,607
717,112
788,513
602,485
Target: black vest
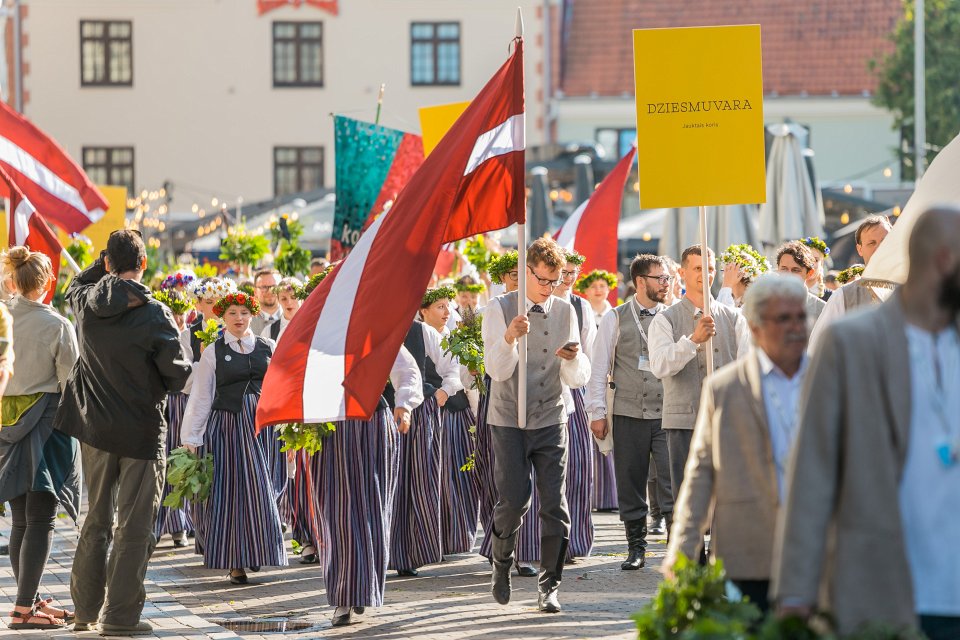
195,343
577,303
239,374
456,402
275,330
415,345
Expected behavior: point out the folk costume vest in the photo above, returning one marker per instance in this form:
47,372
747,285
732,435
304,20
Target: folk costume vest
239,373
681,392
545,406
639,393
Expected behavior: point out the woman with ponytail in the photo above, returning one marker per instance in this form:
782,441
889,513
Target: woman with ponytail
40,466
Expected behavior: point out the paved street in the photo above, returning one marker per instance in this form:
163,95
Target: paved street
449,600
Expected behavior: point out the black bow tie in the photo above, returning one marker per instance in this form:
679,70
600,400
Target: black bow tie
536,308
646,312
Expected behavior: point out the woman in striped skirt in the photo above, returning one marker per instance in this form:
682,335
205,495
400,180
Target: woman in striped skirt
357,472
415,538
579,441
241,525
459,500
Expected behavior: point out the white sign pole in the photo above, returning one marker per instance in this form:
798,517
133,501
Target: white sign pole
705,265
521,294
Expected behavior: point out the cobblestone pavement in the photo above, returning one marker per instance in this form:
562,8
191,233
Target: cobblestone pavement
448,600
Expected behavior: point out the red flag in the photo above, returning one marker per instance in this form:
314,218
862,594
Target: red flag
336,354
591,230
28,228
48,177
264,6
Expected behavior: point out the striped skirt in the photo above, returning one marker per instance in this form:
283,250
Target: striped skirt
579,479
483,471
304,494
460,502
415,531
604,481
240,522
276,467
173,520
357,478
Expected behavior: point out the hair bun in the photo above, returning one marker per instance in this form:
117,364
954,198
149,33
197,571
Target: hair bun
15,257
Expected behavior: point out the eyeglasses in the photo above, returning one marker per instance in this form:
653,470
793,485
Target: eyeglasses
513,275
786,318
566,275
544,282
265,287
660,279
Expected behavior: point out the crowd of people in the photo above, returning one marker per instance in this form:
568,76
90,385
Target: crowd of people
792,456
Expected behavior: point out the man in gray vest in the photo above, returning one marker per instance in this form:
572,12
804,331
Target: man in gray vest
871,232
553,360
621,348
678,337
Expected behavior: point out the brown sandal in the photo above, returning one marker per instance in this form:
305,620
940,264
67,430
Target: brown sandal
59,614
25,616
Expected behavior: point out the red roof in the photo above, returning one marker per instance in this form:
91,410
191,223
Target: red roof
813,47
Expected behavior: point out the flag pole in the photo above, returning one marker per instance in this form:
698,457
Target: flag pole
383,87
522,290
70,262
705,266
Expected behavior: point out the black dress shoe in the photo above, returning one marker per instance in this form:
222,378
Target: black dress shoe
341,619
408,573
254,568
240,579
526,572
656,527
500,582
310,558
359,610
179,543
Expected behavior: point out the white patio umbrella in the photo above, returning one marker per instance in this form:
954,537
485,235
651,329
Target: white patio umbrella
793,209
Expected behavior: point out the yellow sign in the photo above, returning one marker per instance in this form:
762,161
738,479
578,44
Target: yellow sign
436,121
699,116
113,219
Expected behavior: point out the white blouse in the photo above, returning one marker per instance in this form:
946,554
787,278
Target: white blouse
204,389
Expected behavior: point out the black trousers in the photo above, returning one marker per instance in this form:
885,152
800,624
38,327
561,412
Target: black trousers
757,591
31,534
941,627
635,442
678,446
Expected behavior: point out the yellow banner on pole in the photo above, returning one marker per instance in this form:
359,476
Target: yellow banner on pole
436,121
113,219
699,116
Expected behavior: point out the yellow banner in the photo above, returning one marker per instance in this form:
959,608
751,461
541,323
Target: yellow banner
699,116
113,219
436,121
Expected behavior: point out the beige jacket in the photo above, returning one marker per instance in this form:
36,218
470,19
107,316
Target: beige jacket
730,472
840,540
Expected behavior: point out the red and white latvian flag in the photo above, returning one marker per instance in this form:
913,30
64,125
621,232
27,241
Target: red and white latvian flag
336,354
28,228
48,177
591,230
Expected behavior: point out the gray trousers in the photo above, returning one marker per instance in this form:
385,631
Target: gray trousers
635,441
516,452
130,490
678,446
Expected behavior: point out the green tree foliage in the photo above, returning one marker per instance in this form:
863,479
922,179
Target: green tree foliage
895,74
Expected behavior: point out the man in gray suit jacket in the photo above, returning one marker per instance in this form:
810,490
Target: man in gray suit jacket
870,523
742,441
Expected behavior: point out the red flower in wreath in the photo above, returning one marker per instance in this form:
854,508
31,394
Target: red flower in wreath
242,299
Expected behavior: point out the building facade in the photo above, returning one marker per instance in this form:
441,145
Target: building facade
222,100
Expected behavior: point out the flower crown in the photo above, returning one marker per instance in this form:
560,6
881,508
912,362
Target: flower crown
288,284
814,242
304,292
573,257
437,293
175,300
213,288
470,288
597,274
181,278
850,274
501,265
747,258
240,299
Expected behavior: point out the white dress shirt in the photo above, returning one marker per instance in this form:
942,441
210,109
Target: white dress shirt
930,489
668,358
204,389
283,325
500,358
447,366
781,395
725,296
599,316
406,381
601,358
